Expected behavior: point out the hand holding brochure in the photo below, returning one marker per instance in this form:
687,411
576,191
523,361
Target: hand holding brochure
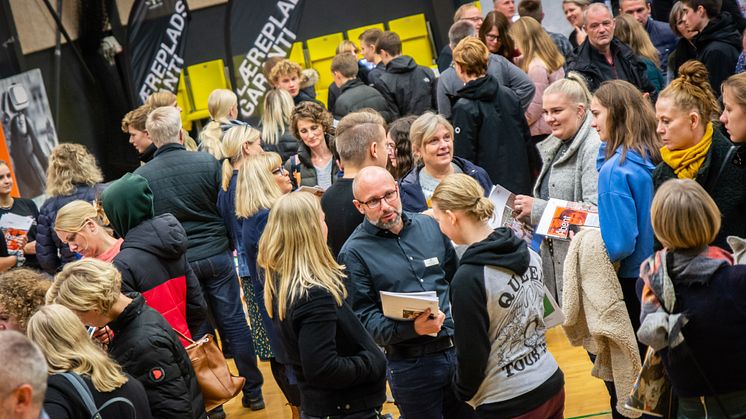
408,305
504,202
560,217
15,228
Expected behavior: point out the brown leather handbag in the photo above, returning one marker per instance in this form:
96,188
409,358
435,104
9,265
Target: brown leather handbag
215,379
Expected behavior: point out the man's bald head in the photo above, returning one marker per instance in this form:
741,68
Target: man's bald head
368,177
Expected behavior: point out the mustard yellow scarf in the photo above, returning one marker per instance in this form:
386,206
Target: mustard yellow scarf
686,163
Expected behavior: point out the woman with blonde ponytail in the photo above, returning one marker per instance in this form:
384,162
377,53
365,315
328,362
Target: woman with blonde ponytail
497,302
68,349
335,359
222,104
694,147
239,144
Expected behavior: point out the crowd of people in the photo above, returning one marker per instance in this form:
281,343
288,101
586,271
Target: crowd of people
309,216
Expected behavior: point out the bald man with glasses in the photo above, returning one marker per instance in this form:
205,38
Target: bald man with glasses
397,251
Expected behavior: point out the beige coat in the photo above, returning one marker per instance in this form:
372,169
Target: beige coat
573,177
596,316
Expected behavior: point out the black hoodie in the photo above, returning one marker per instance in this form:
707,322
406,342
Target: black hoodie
407,87
491,132
718,47
497,301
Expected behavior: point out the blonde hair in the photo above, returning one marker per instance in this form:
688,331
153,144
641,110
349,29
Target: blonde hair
70,165
72,217
295,256
22,292
533,42
283,68
256,187
462,9
692,91
472,56
629,31
85,285
425,127
684,216
136,118
346,47
573,88
219,105
164,125
66,346
278,112
232,148
161,98
460,192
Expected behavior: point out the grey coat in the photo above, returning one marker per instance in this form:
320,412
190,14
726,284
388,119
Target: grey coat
506,73
573,177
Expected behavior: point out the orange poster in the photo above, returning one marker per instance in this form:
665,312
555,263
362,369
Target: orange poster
5,156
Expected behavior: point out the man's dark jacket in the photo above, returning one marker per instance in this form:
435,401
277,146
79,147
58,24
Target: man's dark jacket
586,64
355,95
407,87
491,132
718,47
185,184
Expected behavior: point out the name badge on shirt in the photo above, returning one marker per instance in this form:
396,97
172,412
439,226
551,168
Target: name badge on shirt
431,262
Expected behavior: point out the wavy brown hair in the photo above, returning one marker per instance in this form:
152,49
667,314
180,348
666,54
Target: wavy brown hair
70,165
22,292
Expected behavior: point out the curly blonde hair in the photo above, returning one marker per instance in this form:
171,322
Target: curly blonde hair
22,292
69,165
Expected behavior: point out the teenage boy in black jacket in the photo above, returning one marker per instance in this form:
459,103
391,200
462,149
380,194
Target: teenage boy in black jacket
406,86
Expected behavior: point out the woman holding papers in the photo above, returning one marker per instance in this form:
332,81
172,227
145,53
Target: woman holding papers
497,300
569,170
20,243
340,370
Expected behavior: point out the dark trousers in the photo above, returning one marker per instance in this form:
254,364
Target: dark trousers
423,387
217,276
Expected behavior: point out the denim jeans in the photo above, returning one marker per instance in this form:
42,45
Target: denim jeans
423,387
217,276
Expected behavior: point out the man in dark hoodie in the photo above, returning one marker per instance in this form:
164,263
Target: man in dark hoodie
718,43
406,86
490,128
354,94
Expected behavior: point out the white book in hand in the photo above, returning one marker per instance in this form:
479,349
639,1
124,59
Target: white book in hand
408,305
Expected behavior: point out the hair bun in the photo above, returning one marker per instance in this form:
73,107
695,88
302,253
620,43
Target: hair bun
694,72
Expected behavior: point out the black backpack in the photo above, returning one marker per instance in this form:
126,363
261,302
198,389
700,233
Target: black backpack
87,397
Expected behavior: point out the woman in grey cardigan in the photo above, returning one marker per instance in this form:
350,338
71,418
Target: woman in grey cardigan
569,167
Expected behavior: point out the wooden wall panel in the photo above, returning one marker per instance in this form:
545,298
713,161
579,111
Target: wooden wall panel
35,26
37,30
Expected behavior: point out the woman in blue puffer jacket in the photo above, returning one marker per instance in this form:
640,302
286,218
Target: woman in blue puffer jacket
72,174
